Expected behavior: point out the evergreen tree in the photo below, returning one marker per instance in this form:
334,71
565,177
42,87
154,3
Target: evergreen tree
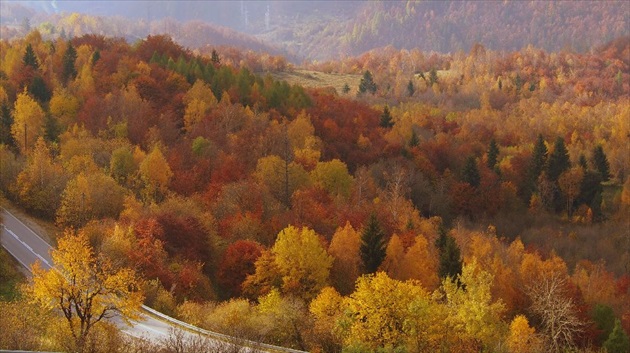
582,162
96,56
450,257
618,341
69,57
539,158
386,118
493,153
414,141
601,162
39,90
215,57
367,83
373,245
29,58
6,120
470,173
558,161
410,88
591,193
345,88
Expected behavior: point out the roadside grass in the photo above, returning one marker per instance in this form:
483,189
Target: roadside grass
45,229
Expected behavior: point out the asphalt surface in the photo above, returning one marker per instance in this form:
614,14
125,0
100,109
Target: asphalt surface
27,247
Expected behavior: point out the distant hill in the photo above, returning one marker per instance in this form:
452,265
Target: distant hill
325,30
450,26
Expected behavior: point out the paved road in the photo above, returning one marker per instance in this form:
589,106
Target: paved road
27,247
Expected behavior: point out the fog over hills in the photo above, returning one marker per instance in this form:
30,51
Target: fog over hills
323,30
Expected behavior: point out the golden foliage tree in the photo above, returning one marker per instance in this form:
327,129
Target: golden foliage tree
344,248
302,261
28,124
156,174
522,338
85,287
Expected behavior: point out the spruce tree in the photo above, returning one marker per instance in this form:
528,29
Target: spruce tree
601,162
493,153
29,58
414,141
39,90
470,173
345,88
410,88
386,118
558,161
373,245
618,341
69,72
450,256
539,158
367,83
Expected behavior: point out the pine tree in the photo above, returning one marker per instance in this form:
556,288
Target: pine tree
386,118
582,162
367,83
345,88
410,88
29,58
373,245
69,57
539,158
96,56
433,77
618,341
558,161
493,153
414,141
450,257
215,57
39,90
470,173
601,162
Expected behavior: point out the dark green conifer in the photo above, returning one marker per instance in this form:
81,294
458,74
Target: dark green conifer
470,173
367,83
29,58
558,161
601,162
493,153
69,72
450,256
386,118
372,248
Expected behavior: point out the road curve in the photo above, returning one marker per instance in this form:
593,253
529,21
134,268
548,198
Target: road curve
27,247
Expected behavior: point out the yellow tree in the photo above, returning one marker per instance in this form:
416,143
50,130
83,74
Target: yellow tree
28,123
41,182
85,287
387,313
570,183
156,174
522,338
421,263
470,308
394,255
333,176
95,195
302,261
64,106
199,101
344,248
327,310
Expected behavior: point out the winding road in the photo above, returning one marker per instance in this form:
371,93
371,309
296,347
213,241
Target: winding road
27,247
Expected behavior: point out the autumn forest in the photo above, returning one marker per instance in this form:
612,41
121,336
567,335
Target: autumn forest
473,201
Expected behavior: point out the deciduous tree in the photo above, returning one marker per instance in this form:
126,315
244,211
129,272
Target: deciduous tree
85,287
